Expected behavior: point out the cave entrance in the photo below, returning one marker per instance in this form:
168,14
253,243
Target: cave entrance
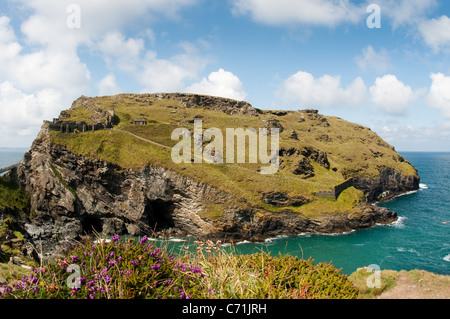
92,224
159,214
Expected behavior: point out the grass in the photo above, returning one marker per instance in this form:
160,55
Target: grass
12,196
133,268
361,277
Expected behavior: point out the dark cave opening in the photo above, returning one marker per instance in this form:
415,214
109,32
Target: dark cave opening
159,214
91,225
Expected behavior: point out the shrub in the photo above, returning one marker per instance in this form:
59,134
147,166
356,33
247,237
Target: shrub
262,276
128,269
113,270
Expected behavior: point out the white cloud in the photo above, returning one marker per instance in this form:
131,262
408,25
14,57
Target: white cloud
108,86
44,69
146,67
406,137
36,85
405,12
121,52
21,114
173,73
370,59
439,93
436,33
392,95
221,83
49,20
41,70
302,88
309,12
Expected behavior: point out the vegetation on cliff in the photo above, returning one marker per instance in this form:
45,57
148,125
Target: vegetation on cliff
14,208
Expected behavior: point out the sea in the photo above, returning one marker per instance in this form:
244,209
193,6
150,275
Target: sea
419,239
10,156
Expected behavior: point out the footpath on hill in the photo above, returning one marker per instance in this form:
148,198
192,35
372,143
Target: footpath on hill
419,285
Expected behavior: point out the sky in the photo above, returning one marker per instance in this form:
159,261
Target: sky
383,64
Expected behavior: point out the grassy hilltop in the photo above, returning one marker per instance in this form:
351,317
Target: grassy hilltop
305,137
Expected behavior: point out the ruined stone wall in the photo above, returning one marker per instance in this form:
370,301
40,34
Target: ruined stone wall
337,190
82,127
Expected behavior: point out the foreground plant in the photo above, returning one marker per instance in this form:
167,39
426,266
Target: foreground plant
229,275
131,269
113,270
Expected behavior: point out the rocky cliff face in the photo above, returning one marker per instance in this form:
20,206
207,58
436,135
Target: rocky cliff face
73,195
389,183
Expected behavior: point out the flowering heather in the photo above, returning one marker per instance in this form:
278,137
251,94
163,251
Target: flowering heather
116,269
136,269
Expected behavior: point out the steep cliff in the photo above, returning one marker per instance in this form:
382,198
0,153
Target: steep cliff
121,180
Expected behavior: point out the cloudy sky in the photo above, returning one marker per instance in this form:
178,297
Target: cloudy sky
275,54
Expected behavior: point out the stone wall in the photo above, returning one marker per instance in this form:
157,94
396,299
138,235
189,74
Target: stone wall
337,190
70,127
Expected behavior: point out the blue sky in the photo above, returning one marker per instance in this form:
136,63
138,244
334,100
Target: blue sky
283,54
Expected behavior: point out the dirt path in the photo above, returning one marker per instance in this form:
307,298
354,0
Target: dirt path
419,285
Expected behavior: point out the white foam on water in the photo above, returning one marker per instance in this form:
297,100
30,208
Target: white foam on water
410,250
177,240
243,242
102,241
271,239
407,193
306,234
399,223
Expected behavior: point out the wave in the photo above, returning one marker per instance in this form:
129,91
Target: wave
399,223
407,193
271,239
102,241
410,250
176,240
243,242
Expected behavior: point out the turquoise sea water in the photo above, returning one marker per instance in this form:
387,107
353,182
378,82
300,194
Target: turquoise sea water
418,240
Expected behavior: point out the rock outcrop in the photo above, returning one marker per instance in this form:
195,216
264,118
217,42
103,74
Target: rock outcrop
228,106
389,183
